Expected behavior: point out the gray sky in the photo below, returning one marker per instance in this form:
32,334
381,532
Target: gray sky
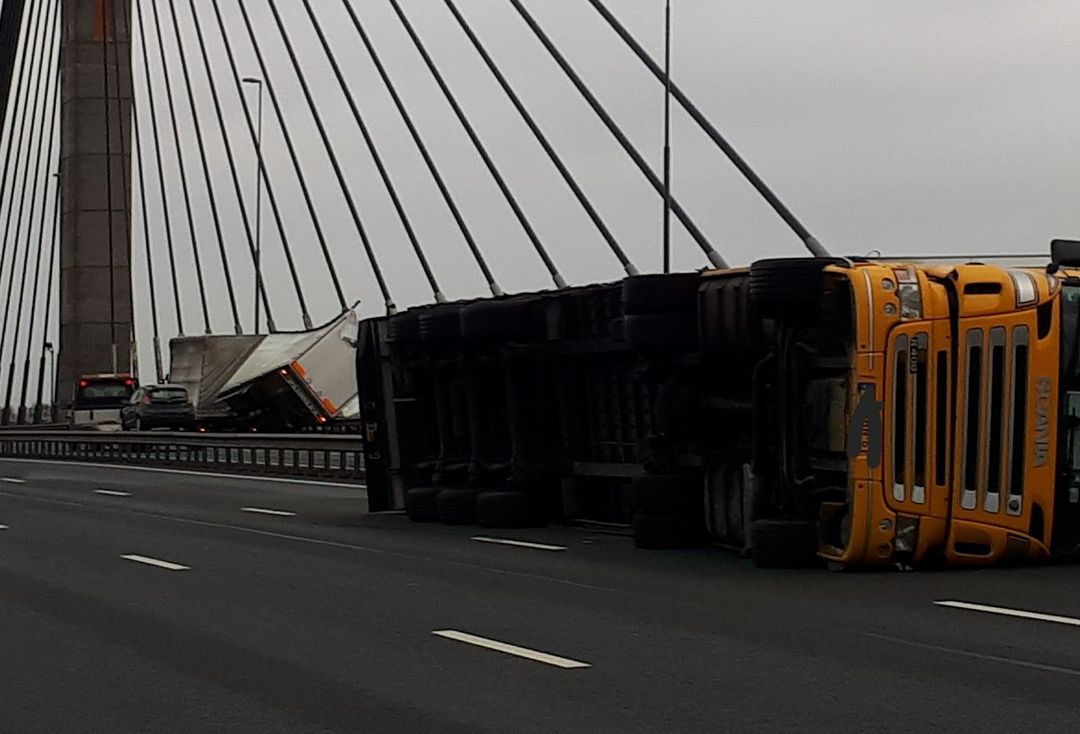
905,127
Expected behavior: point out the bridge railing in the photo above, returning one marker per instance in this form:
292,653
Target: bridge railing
286,455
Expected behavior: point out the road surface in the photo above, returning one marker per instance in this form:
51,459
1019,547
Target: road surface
138,600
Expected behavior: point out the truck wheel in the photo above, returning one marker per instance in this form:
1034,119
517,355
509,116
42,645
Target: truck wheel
654,294
656,531
504,320
788,287
404,328
457,506
667,494
506,510
440,324
420,504
784,544
661,331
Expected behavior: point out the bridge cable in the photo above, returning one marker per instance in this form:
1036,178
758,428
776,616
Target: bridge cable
260,282
698,236
308,200
541,138
376,157
255,256
159,370
109,180
38,68
180,165
481,149
47,162
20,109
744,168
12,15
125,160
335,164
440,183
170,246
45,344
215,215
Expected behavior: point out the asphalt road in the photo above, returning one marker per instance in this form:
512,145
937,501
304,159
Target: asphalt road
158,601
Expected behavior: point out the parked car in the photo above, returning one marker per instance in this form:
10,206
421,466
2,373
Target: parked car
159,406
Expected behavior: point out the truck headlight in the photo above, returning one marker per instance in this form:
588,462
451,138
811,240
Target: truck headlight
909,292
907,534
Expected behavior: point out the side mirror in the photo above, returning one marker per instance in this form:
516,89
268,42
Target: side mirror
1065,252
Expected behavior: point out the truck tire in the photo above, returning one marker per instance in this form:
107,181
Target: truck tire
404,328
457,506
440,324
788,287
661,331
727,322
784,544
503,320
654,531
667,494
507,510
655,294
420,504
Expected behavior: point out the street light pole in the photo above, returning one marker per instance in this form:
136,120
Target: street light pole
667,137
258,200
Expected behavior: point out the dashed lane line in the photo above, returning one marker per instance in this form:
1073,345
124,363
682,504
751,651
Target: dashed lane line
1006,612
265,511
12,480
167,565
503,647
112,493
518,543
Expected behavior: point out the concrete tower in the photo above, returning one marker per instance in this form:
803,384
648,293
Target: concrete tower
95,248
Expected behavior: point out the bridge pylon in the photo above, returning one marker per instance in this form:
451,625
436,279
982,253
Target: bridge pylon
96,324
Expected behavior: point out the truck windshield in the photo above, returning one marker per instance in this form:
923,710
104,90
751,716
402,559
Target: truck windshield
1069,454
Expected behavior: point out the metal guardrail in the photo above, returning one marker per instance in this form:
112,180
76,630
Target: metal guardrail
286,455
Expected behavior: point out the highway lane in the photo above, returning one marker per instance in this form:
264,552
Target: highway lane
324,620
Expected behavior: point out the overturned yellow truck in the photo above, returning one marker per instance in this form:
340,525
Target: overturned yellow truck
850,411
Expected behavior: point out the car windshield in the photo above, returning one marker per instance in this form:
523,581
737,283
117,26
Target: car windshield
170,394
102,394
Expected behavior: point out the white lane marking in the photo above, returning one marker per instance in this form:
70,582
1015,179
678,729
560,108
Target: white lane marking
155,562
1029,664
1006,612
264,511
12,480
521,652
486,569
4,527
112,493
216,475
518,543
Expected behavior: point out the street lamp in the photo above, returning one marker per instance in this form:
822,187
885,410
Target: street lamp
258,199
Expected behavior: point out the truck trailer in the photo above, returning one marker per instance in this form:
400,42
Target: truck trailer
849,411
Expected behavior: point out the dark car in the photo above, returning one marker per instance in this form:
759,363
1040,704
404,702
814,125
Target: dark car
159,406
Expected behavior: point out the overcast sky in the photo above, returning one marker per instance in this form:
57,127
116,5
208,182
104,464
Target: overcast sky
922,126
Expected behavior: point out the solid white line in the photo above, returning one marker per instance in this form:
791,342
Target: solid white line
12,480
155,562
1006,612
264,511
518,543
218,475
521,652
112,493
